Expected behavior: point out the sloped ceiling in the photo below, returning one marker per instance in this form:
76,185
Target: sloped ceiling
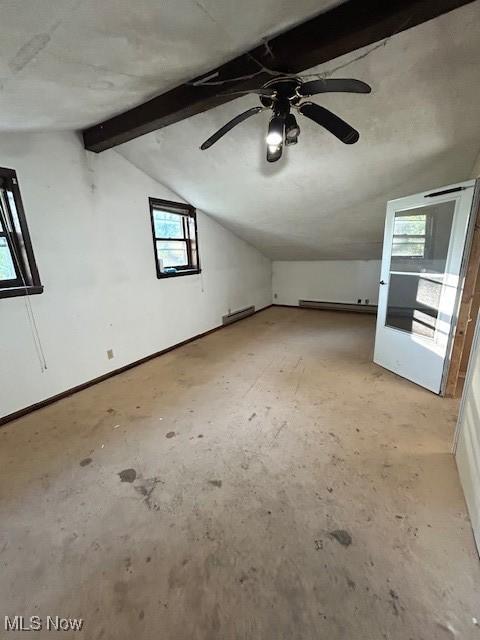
419,130
67,64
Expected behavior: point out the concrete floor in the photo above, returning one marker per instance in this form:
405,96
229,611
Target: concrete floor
266,482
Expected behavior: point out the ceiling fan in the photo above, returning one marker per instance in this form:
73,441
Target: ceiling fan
285,94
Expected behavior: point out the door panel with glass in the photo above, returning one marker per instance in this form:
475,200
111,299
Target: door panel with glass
422,256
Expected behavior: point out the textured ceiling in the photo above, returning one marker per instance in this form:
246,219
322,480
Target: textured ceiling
419,130
66,64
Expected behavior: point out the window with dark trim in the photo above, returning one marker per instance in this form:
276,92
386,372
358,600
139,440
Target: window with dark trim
175,243
18,271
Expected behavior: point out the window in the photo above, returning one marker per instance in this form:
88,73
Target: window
174,228
18,271
409,236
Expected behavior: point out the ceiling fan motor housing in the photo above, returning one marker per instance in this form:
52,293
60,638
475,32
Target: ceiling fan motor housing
285,89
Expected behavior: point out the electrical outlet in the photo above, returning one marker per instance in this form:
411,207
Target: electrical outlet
109,354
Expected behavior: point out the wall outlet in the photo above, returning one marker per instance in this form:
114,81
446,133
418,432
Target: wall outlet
109,354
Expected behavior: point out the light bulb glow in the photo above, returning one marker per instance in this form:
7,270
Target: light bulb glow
274,138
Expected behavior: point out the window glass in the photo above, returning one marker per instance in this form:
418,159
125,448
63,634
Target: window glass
421,240
172,254
408,247
7,270
167,225
409,236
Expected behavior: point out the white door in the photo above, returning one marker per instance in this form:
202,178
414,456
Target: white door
422,256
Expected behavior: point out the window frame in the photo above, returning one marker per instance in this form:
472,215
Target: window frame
185,211
19,242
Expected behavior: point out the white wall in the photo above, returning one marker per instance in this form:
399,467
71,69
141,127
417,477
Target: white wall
476,168
89,220
326,281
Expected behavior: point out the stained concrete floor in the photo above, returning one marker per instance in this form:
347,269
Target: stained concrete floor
266,482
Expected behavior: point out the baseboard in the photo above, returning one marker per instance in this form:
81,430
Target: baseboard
338,306
68,392
331,306
286,306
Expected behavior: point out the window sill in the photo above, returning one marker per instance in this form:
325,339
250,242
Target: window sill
183,272
13,292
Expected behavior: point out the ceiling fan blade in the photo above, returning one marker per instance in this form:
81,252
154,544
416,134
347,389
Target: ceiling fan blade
343,85
341,129
274,153
264,92
227,127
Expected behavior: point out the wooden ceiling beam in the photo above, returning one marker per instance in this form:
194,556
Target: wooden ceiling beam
336,32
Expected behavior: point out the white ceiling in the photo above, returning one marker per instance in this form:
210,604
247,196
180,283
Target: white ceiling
66,64
419,130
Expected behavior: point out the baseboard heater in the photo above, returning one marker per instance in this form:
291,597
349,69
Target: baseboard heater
238,315
338,306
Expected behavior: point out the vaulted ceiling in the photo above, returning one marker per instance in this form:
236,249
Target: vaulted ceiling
325,200
69,64
66,64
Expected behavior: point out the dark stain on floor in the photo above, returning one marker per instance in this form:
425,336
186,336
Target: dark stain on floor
394,600
170,434
341,536
127,475
216,483
146,488
85,462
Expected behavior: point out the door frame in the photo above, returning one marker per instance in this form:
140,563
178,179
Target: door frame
470,274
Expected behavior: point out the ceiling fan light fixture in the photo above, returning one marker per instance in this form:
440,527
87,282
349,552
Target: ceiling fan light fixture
274,152
275,132
292,130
